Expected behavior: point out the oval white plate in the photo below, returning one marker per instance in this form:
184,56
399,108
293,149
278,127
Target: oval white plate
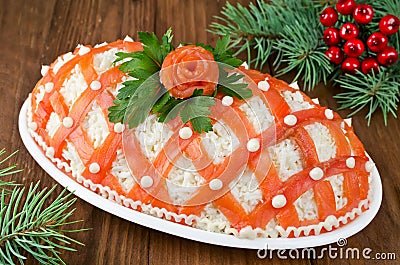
192,233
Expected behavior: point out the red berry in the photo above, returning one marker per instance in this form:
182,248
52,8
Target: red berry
377,42
331,36
389,24
363,13
335,54
388,56
368,65
350,65
349,31
328,17
345,7
354,47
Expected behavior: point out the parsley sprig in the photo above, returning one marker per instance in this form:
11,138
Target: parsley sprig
145,93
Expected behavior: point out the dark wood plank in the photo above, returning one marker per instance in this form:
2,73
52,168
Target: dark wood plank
35,32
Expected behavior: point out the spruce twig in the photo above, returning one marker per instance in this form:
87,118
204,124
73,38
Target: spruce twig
27,225
6,171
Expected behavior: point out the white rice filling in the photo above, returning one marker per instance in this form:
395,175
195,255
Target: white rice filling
53,124
245,188
76,164
61,60
182,183
296,101
152,136
323,141
120,170
73,86
220,142
40,95
211,219
96,125
336,182
258,114
306,207
104,61
286,157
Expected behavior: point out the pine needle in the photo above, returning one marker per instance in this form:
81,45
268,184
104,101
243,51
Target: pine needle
6,171
370,91
28,225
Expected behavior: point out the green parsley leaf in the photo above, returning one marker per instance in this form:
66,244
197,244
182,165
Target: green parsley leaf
231,85
196,110
223,53
140,66
138,97
153,48
141,104
129,88
194,107
201,124
117,112
161,102
171,109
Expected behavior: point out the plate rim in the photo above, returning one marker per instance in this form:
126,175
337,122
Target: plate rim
188,232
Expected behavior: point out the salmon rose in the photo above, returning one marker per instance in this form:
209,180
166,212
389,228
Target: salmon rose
189,68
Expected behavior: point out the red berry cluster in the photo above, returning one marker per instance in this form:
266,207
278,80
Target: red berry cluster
354,46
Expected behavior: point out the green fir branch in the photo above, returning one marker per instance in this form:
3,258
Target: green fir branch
6,171
28,226
370,91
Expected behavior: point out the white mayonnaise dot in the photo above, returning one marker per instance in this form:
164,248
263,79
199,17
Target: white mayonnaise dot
330,221
185,133
146,182
215,184
83,50
245,65
253,145
94,168
95,85
48,87
68,122
348,121
279,201
128,38
350,162
227,101
316,173
33,126
68,56
315,100
50,152
101,44
290,120
119,127
369,166
295,85
263,85
44,70
329,114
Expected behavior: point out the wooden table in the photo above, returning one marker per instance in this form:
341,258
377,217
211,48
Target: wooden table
34,32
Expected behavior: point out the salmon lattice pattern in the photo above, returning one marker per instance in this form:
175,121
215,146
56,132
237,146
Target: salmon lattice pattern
277,164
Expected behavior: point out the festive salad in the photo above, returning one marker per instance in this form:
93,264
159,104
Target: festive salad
191,135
